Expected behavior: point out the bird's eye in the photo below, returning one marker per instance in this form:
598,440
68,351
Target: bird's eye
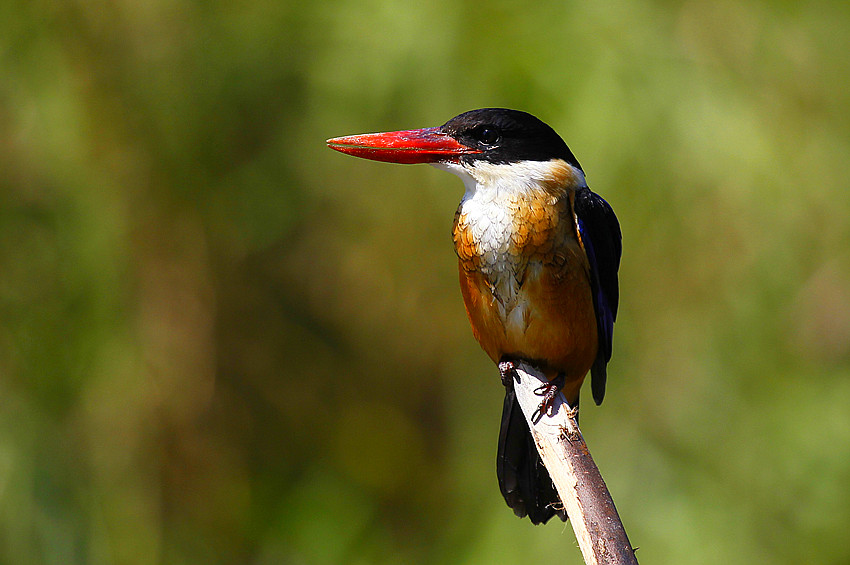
486,134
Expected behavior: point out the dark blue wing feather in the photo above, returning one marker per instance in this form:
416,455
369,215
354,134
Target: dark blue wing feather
600,234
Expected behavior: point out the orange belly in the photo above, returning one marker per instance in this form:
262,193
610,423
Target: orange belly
550,322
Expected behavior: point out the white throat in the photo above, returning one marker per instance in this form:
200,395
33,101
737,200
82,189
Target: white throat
517,178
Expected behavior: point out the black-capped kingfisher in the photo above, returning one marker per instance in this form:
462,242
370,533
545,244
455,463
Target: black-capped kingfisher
538,258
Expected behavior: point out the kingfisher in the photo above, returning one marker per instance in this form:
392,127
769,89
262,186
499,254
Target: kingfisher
538,254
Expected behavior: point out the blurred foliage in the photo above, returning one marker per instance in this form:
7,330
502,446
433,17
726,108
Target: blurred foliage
222,343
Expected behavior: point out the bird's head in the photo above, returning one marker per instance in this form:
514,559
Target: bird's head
491,139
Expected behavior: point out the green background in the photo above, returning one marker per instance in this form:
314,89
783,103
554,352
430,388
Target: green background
221,342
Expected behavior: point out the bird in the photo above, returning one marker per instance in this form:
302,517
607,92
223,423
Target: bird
538,256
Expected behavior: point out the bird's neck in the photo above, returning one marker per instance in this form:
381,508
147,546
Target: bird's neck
522,178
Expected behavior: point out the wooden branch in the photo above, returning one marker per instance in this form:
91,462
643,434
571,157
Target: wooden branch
588,503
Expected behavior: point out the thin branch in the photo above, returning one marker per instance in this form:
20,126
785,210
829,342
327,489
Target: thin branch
588,503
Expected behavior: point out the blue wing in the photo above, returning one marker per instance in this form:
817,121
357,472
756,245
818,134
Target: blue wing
600,234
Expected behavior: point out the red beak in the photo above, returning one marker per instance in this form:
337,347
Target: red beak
428,145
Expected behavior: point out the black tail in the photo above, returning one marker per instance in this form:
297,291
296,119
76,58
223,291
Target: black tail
524,481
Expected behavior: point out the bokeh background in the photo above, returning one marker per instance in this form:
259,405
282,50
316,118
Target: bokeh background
221,342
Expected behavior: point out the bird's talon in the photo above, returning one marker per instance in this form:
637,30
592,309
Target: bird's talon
507,372
536,415
549,391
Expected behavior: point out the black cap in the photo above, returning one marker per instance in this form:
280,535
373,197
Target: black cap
507,136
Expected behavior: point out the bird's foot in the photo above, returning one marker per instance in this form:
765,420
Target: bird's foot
548,391
507,372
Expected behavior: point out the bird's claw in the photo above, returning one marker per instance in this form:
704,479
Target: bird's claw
507,372
549,392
